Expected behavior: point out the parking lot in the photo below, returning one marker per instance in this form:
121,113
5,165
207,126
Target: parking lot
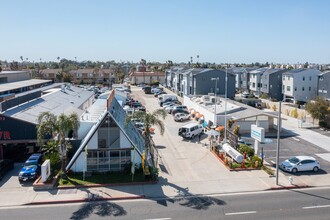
295,146
289,146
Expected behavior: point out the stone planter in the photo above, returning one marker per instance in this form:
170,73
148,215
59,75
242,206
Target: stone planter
38,185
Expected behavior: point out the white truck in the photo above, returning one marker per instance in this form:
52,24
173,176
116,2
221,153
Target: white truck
191,130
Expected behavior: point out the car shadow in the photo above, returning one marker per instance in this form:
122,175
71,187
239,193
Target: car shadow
309,173
160,147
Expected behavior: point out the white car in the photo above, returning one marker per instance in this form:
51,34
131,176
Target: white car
181,117
300,163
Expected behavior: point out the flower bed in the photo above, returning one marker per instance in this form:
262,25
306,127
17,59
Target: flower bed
231,165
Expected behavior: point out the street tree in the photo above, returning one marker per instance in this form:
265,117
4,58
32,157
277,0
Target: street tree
318,108
59,128
149,120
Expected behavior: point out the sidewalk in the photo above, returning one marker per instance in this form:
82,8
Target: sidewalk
258,181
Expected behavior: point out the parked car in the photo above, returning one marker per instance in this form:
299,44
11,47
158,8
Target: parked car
300,163
31,168
179,107
180,111
181,117
169,109
191,130
169,105
156,94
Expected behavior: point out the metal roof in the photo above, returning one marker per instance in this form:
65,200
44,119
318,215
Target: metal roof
21,84
56,102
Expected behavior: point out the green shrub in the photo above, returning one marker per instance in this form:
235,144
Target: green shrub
234,165
154,173
255,159
244,148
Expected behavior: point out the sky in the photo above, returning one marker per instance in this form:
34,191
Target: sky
232,31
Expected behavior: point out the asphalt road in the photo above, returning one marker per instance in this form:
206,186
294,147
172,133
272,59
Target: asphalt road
287,204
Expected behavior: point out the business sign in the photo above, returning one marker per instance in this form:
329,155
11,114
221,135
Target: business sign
45,170
258,133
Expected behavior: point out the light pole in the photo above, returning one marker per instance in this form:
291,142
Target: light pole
226,81
215,100
278,141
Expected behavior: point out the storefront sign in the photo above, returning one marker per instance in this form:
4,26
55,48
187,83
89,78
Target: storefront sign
5,135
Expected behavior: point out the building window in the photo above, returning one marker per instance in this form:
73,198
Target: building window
310,78
303,78
303,88
288,88
288,77
310,88
283,88
253,85
295,88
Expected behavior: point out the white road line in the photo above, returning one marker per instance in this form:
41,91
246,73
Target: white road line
158,219
241,213
316,207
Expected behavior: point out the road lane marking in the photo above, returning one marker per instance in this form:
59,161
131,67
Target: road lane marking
241,213
316,207
158,219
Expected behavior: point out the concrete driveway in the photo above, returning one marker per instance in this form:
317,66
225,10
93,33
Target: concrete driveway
186,161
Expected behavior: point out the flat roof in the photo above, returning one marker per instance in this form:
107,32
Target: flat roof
56,102
21,84
235,110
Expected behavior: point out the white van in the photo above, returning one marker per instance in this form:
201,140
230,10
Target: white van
164,97
191,130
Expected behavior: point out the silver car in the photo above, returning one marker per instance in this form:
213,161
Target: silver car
300,163
181,117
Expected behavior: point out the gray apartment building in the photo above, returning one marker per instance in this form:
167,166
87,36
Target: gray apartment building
324,85
271,81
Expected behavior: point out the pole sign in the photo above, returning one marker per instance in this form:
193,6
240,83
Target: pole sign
258,133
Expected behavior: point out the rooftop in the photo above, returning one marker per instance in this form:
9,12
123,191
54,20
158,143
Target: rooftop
56,102
21,84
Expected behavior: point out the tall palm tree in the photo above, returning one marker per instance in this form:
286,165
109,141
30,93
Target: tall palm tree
59,127
149,119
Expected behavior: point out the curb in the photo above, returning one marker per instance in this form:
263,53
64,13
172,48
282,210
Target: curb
107,185
85,200
289,187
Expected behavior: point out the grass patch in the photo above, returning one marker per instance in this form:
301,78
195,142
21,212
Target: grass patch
100,178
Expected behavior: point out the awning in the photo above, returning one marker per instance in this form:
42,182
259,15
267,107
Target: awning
220,128
199,115
194,113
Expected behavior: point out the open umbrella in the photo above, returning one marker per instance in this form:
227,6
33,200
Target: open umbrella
213,132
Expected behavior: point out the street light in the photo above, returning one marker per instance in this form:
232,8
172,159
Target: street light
215,100
278,141
226,82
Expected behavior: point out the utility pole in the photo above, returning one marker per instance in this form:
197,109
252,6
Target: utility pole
278,141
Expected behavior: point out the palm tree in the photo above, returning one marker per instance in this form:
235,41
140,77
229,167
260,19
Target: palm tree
59,127
149,119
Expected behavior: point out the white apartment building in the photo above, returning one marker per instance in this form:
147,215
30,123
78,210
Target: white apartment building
300,84
255,81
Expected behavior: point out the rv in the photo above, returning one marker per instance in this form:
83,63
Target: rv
191,130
